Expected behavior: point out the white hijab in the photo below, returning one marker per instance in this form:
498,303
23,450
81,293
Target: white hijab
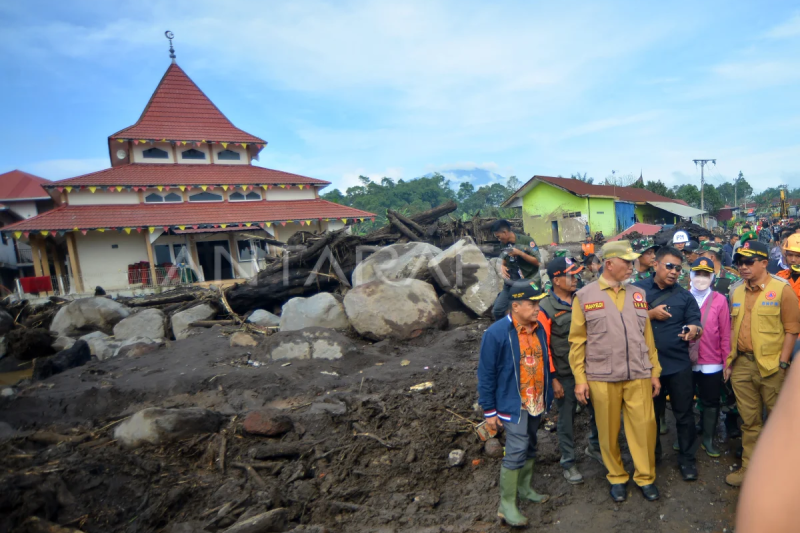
700,296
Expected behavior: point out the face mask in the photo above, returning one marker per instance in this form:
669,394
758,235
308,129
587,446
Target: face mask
701,283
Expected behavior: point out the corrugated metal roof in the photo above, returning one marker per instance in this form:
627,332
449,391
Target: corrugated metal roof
580,188
677,209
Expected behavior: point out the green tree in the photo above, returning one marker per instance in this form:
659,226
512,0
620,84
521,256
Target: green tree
465,190
513,184
688,193
711,199
658,187
582,177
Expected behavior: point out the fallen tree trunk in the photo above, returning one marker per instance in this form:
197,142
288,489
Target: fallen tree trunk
402,228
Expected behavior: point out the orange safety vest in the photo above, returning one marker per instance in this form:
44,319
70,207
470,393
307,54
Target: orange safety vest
588,248
787,275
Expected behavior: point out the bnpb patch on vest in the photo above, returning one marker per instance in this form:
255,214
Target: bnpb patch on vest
771,295
594,306
640,305
774,304
637,297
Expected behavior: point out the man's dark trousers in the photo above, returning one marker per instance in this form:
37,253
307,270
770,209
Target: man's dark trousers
681,395
566,434
502,302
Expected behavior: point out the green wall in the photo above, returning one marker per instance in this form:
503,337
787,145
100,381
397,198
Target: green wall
602,216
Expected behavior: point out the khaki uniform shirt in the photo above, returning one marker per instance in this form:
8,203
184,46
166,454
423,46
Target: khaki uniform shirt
790,315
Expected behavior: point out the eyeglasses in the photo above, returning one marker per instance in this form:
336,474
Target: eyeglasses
672,266
747,262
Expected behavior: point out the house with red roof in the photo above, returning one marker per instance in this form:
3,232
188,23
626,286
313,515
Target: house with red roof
564,209
181,202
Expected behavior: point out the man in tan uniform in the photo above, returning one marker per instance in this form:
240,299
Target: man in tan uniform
614,360
766,320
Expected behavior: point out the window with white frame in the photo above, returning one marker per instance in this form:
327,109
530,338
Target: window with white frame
170,198
229,155
251,196
193,154
205,196
155,153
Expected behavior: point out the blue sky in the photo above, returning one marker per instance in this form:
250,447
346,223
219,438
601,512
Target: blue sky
402,89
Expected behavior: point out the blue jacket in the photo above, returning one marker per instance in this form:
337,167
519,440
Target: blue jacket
498,371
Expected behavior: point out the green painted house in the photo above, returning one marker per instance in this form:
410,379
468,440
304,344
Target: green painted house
559,209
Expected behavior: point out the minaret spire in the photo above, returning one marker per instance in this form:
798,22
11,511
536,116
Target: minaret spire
169,35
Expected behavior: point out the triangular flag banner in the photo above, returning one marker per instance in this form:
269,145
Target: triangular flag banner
249,187
327,220
92,189
265,187
223,226
282,186
372,219
244,145
119,188
151,229
183,143
120,140
182,228
248,224
138,230
26,233
203,141
17,234
128,230
300,187
224,187
204,187
344,220
269,224
60,189
361,220
244,187
69,189
143,141
188,187
84,231
308,222
197,144
269,186
224,145
160,187
182,187
135,142
101,230
166,229
195,226
166,187
283,223
163,140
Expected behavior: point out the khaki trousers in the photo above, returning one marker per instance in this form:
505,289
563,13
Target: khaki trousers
753,393
635,399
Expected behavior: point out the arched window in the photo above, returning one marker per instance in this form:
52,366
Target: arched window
155,153
153,198
229,155
172,197
252,196
205,197
193,154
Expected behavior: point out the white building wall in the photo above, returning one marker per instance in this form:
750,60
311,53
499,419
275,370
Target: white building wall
24,209
106,266
86,197
137,150
203,148
307,193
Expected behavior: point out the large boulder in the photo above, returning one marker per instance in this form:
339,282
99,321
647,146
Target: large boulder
308,343
181,321
88,314
457,313
463,271
137,346
28,343
157,426
395,262
380,310
76,355
265,319
101,345
146,323
62,343
322,310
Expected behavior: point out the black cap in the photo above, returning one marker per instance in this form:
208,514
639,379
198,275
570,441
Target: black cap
703,264
692,247
561,266
755,249
525,290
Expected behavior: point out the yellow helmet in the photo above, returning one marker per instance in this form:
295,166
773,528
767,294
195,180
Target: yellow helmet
793,243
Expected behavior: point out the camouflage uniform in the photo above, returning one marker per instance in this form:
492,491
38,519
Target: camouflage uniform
726,277
640,246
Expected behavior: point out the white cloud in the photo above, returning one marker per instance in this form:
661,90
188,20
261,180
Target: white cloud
57,169
790,28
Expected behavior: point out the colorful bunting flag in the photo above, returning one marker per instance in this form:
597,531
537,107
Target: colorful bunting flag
151,229
17,234
60,189
244,145
101,230
92,189
139,230
344,220
224,187
84,231
195,226
135,142
120,140
160,188
119,188
26,233
69,189
223,226
283,223
182,187
300,187
308,222
269,224
204,187
224,145
166,229
282,186
128,230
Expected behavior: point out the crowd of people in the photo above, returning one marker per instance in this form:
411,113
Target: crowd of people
705,325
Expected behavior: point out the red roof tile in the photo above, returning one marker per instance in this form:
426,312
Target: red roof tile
68,217
18,185
152,174
180,111
645,229
628,194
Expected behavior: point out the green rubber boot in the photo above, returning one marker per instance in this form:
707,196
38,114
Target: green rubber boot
709,429
508,498
525,490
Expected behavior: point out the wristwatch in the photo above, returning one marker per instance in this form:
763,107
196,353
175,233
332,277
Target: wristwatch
785,364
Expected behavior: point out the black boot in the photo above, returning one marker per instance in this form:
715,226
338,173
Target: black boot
709,430
732,425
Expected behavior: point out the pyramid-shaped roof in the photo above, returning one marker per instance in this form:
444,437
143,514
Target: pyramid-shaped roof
19,185
180,111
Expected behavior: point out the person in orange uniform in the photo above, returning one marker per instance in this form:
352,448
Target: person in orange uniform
614,359
765,314
791,252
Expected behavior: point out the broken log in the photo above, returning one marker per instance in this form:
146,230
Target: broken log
402,228
407,221
152,301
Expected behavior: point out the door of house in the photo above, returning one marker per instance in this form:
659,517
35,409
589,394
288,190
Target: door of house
214,257
554,226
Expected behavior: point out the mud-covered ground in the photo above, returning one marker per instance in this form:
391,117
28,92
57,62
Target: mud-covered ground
395,479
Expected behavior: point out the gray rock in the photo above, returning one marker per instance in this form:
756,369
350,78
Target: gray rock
181,321
265,319
463,271
137,346
396,262
156,426
8,391
456,458
242,339
458,318
6,431
146,323
457,313
88,314
6,322
380,310
62,343
100,345
308,343
321,310
271,521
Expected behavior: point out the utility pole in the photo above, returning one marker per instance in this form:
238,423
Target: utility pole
735,188
703,163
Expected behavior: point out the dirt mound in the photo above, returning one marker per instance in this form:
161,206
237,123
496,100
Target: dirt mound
365,453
